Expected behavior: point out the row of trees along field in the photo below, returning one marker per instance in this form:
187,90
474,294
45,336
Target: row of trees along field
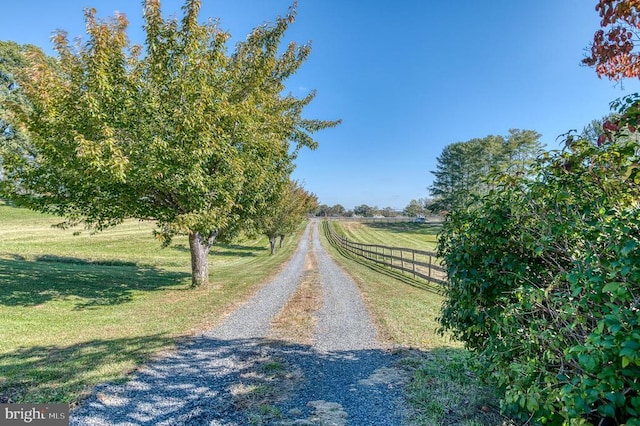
362,210
178,131
544,262
415,208
286,213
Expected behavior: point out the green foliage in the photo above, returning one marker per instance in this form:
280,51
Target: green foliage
81,310
444,391
12,59
287,211
186,134
365,210
336,210
462,166
544,283
419,207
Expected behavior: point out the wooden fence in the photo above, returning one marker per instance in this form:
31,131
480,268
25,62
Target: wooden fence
416,263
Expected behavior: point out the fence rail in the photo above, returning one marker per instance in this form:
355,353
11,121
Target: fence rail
417,263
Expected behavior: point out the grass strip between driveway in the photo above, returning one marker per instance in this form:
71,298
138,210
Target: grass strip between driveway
296,321
442,389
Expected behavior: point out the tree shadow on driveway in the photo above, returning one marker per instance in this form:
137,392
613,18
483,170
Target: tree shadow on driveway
252,381
237,382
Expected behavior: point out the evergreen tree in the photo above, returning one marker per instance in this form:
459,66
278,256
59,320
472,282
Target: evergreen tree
462,167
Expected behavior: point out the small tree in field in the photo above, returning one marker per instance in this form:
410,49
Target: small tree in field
287,212
180,132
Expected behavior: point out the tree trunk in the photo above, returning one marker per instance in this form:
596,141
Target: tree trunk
199,258
281,240
272,243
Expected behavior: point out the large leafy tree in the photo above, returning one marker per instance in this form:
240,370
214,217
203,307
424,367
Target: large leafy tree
335,210
180,132
365,210
461,166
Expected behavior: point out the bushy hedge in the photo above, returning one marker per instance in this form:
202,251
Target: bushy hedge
544,284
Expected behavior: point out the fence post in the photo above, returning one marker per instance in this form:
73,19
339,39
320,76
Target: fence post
429,266
413,253
402,261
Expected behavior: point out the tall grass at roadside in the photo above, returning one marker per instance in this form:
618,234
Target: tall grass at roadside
79,310
442,389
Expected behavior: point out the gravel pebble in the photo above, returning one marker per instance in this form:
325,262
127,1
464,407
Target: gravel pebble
344,378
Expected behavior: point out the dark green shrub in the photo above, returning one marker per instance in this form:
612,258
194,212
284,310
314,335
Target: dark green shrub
544,284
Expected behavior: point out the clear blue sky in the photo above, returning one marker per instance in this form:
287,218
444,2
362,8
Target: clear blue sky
407,78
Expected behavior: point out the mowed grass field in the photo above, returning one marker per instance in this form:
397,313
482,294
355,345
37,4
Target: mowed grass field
420,236
407,314
77,310
443,389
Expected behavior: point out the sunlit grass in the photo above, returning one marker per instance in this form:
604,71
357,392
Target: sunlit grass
407,314
79,310
419,236
442,390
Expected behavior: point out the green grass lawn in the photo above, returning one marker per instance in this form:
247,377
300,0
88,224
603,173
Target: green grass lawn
76,310
443,389
420,236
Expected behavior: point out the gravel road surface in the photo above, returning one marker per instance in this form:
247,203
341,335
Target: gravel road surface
234,375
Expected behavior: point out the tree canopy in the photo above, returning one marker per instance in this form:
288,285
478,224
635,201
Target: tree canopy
462,166
418,207
178,131
335,210
366,211
287,212
12,60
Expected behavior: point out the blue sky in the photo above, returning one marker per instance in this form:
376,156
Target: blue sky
407,78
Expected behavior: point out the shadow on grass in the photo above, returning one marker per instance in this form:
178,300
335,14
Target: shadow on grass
78,261
249,380
58,373
445,391
260,381
89,284
235,253
228,250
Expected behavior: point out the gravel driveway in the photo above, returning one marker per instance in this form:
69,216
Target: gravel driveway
234,375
